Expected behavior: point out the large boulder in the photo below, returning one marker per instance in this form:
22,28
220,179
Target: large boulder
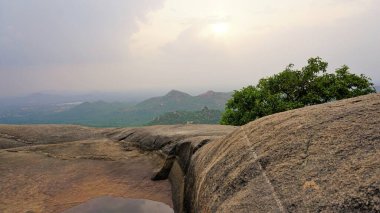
322,158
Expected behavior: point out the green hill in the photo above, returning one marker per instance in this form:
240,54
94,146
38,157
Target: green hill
205,116
148,110
176,101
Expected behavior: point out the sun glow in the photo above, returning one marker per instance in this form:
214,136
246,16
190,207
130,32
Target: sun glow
220,28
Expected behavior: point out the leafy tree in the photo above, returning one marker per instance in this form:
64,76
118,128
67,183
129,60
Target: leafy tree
292,88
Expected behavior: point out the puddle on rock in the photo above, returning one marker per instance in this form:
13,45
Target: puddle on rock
108,204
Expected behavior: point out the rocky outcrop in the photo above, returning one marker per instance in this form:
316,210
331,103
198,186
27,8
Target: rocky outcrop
322,158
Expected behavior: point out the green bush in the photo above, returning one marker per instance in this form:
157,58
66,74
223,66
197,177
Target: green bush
291,89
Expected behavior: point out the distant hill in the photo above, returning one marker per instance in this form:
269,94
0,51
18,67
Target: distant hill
173,101
115,114
205,116
176,100
377,88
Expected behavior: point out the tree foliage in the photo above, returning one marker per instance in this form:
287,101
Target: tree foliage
292,88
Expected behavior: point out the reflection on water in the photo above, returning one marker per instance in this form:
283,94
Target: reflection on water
108,204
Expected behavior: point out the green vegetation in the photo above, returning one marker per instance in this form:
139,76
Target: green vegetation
205,116
291,89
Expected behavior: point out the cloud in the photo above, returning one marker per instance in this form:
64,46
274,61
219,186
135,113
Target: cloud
68,31
160,45
257,50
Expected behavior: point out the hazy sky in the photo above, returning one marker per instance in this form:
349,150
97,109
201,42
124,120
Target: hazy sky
190,45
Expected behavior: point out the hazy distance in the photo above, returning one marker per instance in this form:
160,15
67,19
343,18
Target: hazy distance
71,46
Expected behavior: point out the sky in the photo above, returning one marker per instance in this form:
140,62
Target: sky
188,45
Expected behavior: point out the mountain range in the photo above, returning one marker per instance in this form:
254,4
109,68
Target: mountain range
115,114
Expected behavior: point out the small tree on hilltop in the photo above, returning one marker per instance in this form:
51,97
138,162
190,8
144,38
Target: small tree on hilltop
291,89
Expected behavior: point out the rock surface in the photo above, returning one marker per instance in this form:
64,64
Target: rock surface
321,158
27,135
165,137
50,168
54,177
